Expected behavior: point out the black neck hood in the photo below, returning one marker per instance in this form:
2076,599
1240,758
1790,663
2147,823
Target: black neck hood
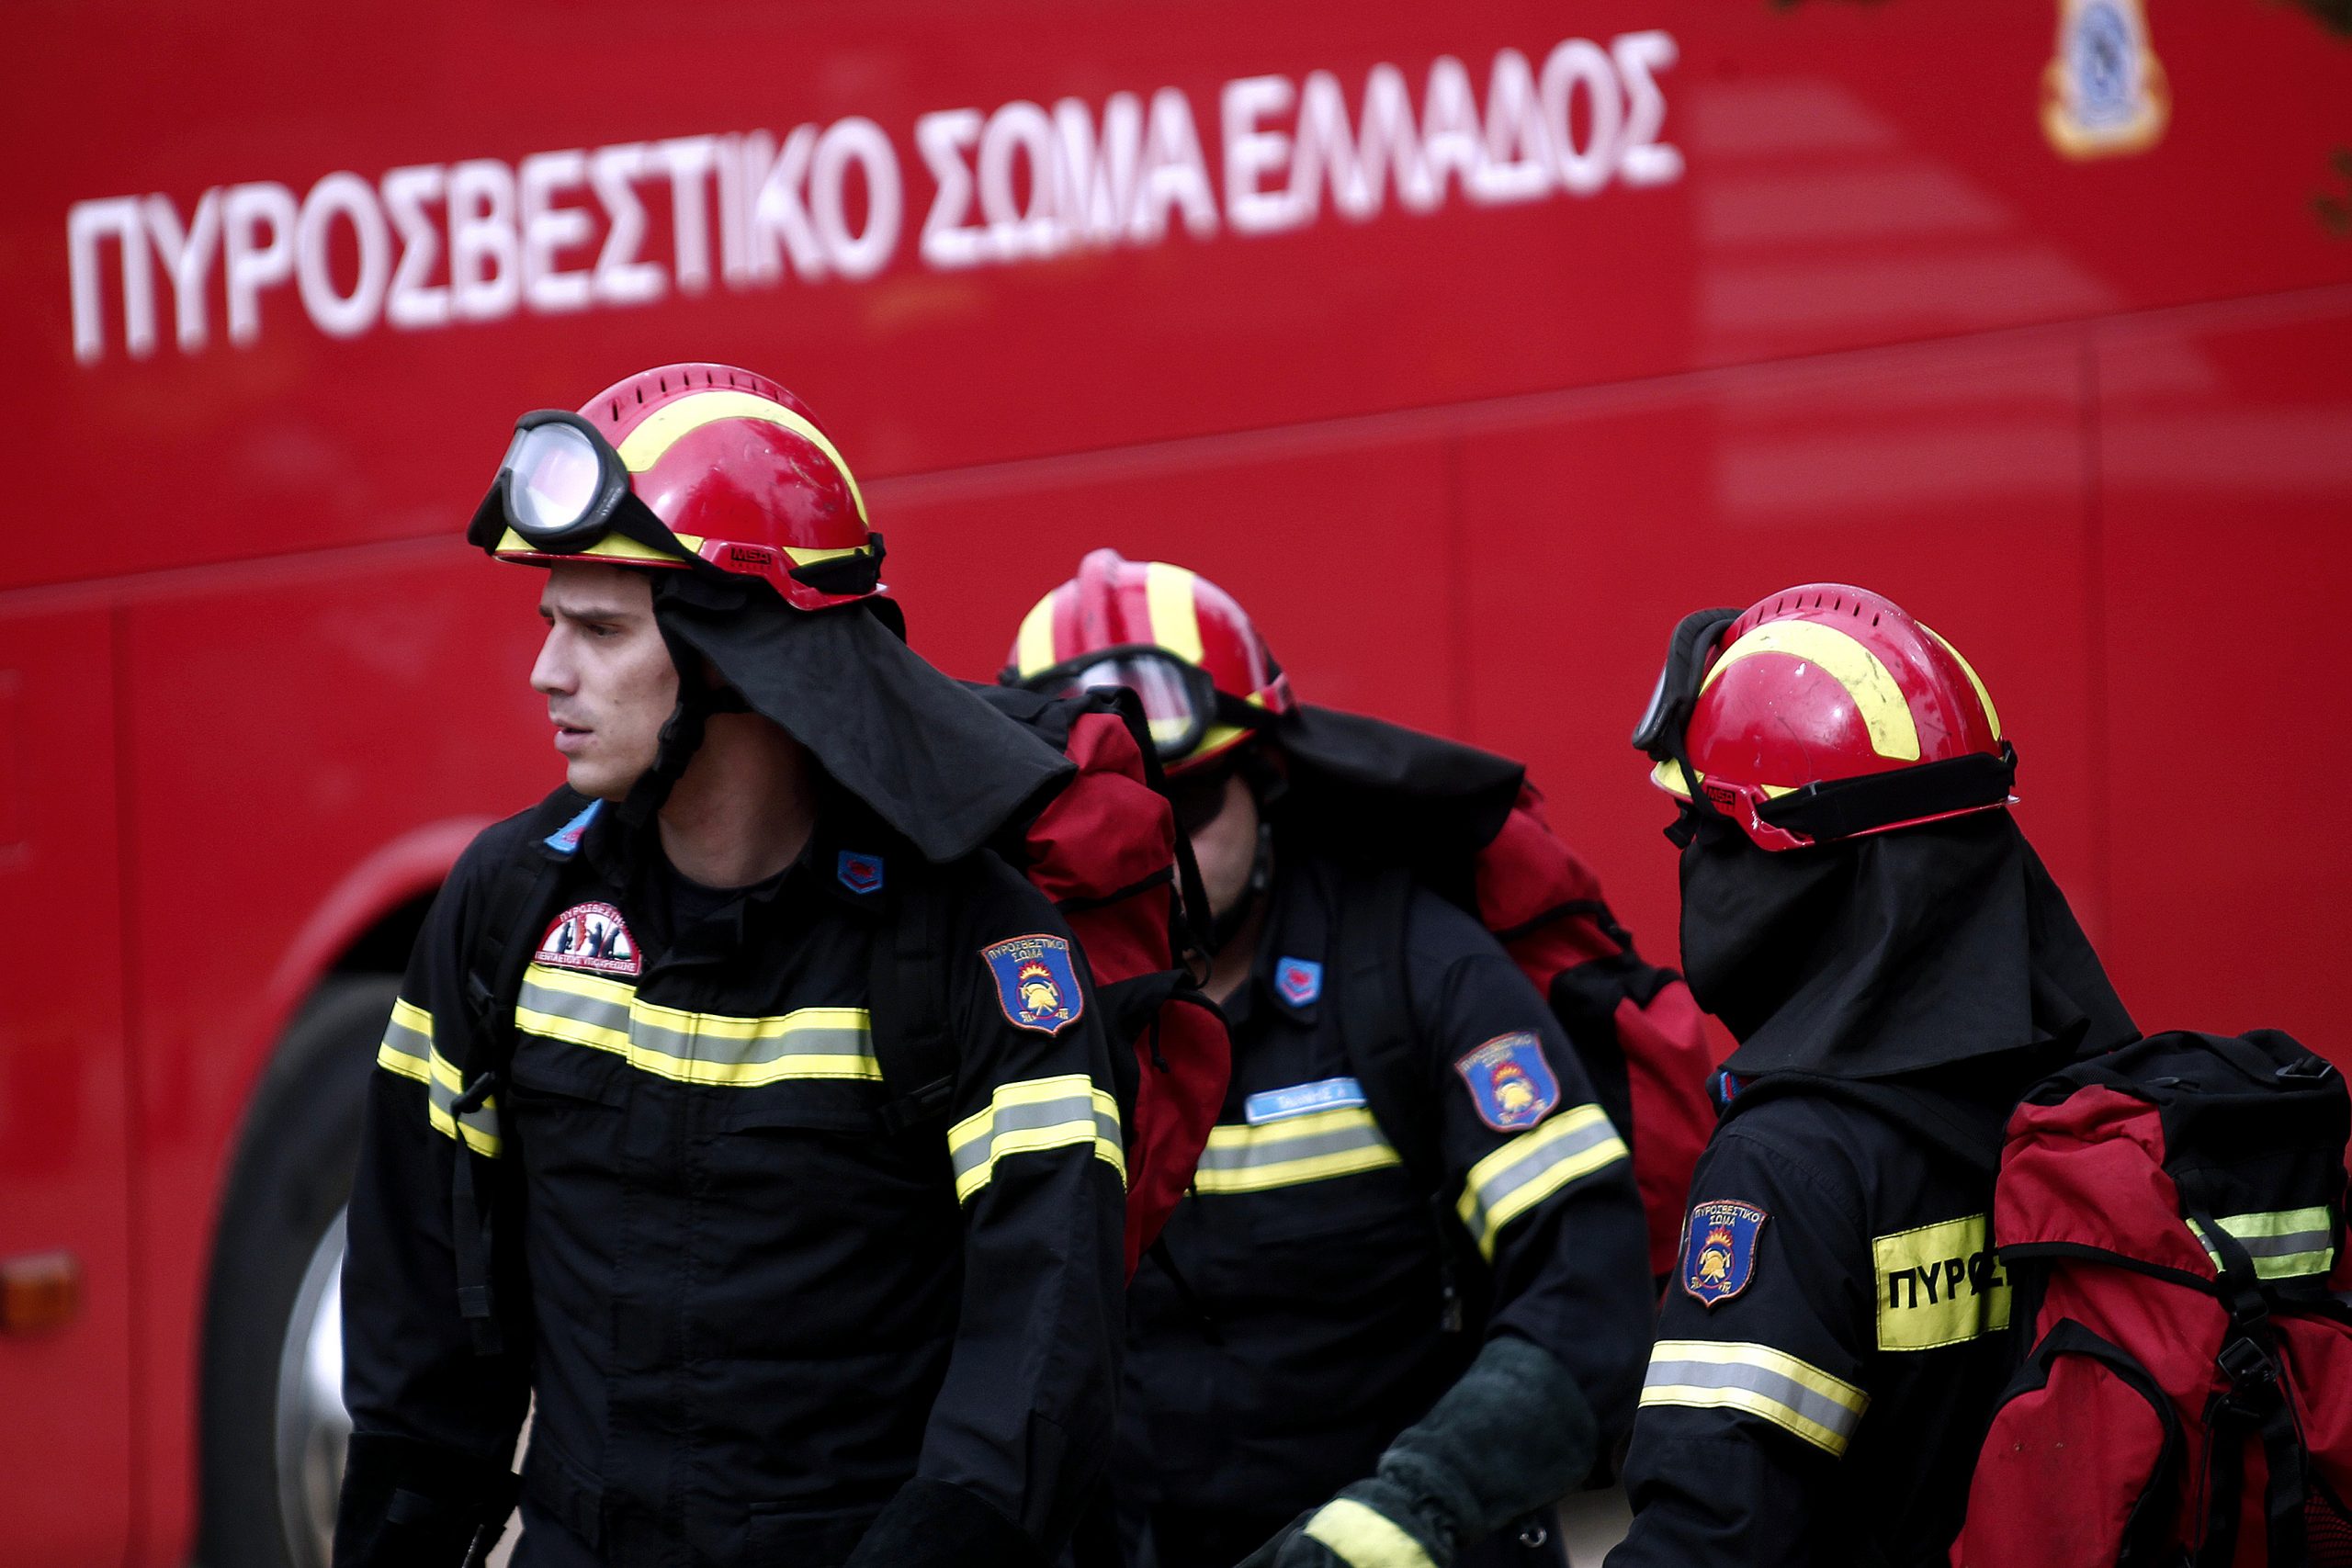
1891,954
941,768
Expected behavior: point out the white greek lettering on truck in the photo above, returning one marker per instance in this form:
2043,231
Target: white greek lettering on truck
426,246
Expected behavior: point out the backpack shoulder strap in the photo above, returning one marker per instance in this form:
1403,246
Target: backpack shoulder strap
520,892
907,1003
1375,1016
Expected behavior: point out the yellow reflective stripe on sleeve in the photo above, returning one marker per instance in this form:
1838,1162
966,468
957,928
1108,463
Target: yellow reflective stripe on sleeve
1533,1165
1344,1141
1756,1380
1033,1115
407,1040
1940,1284
695,1047
2283,1244
408,1050
1366,1538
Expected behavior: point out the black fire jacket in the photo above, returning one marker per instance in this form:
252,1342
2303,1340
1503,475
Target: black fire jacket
748,1314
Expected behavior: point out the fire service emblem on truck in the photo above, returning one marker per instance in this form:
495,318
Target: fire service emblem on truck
2105,93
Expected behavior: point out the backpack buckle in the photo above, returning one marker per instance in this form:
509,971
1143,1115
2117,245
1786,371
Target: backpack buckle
2249,1365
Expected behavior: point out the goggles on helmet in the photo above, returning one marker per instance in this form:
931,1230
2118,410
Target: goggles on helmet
1180,702
561,487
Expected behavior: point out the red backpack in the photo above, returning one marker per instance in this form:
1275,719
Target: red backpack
2168,1216
1399,807
1106,850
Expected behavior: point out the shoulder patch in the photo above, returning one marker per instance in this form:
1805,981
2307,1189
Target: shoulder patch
859,873
592,937
1719,1250
1511,1085
1035,985
1298,981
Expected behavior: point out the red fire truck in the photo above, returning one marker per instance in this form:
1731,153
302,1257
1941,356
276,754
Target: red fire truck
1469,344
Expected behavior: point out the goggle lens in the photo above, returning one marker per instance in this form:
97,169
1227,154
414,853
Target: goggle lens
556,475
1171,707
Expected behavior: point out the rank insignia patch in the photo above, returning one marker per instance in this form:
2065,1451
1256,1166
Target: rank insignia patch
1034,983
1298,981
592,937
1510,1083
859,873
1719,1250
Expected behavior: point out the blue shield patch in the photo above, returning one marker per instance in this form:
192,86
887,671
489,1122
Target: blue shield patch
1034,983
1298,981
859,873
1510,1083
1719,1250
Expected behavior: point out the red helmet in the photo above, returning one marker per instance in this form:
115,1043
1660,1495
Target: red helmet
1823,713
1177,640
681,463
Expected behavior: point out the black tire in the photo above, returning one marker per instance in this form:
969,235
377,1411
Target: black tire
288,1185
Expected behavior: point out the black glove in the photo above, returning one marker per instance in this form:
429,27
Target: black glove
1511,1436
411,1505
934,1524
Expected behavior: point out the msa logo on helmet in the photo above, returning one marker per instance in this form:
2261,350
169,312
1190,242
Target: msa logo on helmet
1034,983
751,556
592,937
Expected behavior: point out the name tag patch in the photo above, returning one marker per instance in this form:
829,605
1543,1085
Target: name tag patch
1301,1099
1939,1285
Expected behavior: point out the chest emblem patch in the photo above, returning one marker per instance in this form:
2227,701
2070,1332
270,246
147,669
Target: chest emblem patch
1719,1250
1298,981
1511,1085
592,937
1034,983
858,872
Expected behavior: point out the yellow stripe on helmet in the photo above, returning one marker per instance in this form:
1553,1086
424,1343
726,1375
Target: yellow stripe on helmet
1033,648
1968,670
1175,619
1894,733
611,547
667,424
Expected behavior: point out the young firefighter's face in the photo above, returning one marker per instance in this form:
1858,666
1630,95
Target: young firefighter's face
606,673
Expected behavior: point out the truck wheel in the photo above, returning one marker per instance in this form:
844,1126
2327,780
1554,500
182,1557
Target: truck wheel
273,1426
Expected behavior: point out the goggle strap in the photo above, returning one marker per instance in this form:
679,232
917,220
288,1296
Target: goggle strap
847,576
1840,809
1678,681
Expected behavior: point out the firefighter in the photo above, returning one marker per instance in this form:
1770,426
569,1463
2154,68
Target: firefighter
635,1154
1860,907
1325,1365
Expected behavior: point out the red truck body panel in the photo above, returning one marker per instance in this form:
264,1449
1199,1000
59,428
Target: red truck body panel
1809,293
